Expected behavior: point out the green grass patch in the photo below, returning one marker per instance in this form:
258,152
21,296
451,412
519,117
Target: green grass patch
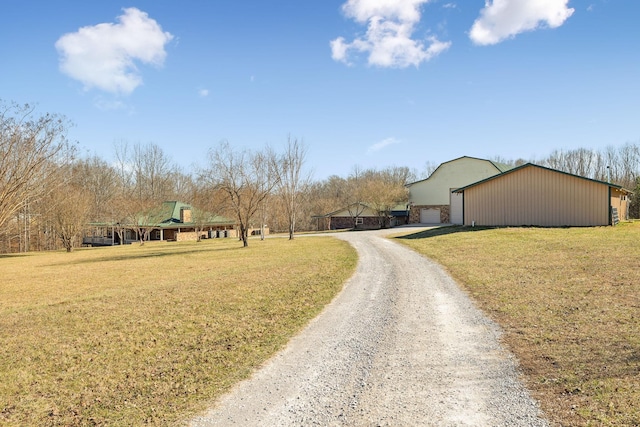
152,334
568,300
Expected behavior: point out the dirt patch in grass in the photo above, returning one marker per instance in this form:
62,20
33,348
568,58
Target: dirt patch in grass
569,302
151,334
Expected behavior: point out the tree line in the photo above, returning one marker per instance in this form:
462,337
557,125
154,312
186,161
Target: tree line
49,193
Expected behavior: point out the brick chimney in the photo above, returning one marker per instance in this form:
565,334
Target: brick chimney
185,215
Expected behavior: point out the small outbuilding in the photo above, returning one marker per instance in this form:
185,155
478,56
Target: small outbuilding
358,216
533,195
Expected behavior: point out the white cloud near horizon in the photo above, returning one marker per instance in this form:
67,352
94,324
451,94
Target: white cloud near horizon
389,40
382,144
104,56
504,19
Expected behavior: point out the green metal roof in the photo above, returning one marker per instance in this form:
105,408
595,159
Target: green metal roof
168,216
171,211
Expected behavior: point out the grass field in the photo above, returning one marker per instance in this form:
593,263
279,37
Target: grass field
151,334
568,300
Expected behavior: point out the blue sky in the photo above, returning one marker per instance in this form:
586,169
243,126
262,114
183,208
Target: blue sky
373,83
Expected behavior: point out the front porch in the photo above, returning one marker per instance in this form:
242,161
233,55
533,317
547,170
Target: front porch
108,236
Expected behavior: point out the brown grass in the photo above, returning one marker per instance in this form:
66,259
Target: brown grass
568,300
149,335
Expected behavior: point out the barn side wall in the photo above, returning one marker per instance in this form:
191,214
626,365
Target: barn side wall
536,196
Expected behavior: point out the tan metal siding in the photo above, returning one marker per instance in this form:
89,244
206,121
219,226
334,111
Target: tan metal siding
536,196
620,200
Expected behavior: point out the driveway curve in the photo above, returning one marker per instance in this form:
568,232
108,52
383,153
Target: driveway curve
401,345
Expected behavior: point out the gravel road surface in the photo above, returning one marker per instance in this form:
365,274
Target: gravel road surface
401,345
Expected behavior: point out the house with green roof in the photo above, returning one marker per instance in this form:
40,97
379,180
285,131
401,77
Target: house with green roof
172,221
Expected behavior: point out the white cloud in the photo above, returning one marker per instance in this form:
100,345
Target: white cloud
503,19
105,55
339,49
203,93
388,40
382,144
108,104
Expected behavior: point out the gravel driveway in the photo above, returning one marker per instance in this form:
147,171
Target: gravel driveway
401,345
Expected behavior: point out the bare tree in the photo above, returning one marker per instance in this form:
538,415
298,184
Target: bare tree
121,209
579,161
152,171
264,212
145,181
146,217
246,177
429,168
32,148
70,210
207,202
325,197
329,194
599,166
292,183
629,159
354,195
379,190
556,160
584,162
123,167
99,179
180,184
385,189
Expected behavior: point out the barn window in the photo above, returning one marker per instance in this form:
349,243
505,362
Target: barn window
358,220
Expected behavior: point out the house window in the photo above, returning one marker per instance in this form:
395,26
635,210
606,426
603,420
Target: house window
358,220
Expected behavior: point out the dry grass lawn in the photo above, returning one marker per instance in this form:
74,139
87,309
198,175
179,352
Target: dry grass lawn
568,300
151,334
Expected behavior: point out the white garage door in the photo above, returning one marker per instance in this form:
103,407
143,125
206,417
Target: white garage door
456,208
430,216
